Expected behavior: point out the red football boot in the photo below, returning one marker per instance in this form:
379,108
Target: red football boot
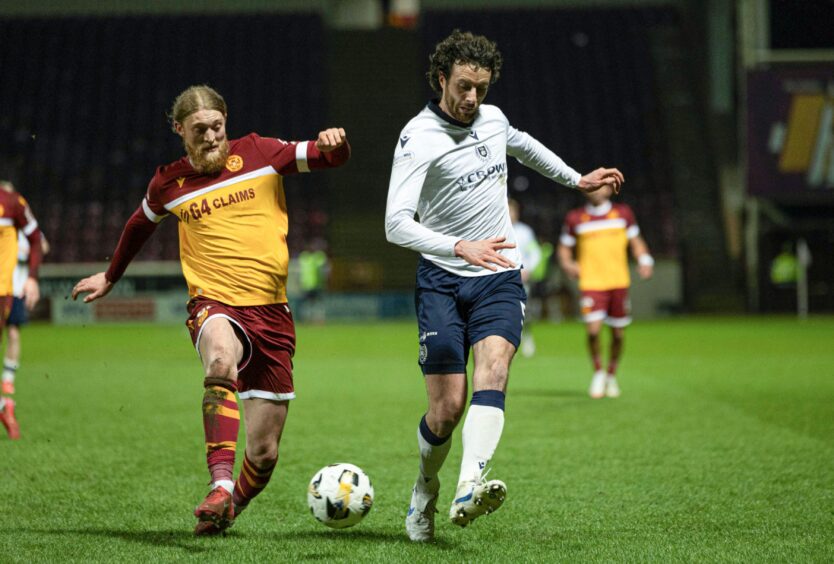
215,514
9,422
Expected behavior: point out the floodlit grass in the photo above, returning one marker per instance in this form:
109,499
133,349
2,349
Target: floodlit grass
720,449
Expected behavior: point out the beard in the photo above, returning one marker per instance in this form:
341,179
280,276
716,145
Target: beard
210,163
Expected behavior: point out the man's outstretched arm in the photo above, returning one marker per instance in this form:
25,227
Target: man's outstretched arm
533,154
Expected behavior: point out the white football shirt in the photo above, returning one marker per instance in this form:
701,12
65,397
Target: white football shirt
527,246
453,176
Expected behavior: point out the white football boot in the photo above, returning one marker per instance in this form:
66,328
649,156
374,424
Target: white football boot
612,389
474,499
419,522
597,389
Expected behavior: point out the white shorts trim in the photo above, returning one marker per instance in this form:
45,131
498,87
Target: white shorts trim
262,394
244,361
598,315
618,322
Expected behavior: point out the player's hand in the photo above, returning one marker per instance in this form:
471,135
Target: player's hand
645,271
571,269
31,293
97,285
485,253
331,139
601,177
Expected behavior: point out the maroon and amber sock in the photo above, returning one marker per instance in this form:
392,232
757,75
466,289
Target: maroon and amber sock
597,363
612,368
250,483
221,420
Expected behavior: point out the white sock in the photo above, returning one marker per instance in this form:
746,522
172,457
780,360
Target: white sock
432,456
481,433
9,368
227,485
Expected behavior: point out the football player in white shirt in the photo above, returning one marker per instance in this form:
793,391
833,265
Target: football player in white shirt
450,169
531,256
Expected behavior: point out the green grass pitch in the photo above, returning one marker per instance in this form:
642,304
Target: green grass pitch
720,449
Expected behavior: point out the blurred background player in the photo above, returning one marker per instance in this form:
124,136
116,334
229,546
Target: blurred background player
228,197
314,268
15,216
18,315
450,169
601,232
531,257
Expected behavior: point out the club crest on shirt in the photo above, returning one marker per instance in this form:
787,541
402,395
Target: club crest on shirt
234,163
483,152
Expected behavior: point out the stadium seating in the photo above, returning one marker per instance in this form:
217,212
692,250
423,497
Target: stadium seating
85,99
88,98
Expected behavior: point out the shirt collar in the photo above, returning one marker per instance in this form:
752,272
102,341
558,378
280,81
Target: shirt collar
434,106
601,209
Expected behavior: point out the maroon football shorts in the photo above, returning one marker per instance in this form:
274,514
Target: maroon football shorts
611,306
268,336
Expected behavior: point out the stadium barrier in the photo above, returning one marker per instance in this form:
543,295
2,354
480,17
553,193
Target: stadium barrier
155,292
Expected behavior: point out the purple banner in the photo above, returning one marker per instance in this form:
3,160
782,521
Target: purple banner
790,133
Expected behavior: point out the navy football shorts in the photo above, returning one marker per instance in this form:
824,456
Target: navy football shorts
455,312
17,315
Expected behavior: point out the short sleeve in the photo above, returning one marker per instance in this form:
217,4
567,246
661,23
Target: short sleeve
632,229
568,236
24,219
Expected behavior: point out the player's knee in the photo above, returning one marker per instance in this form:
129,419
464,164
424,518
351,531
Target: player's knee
262,454
492,375
446,415
222,366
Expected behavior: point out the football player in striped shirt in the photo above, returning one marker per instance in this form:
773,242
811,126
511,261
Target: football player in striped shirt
228,199
15,218
450,172
601,233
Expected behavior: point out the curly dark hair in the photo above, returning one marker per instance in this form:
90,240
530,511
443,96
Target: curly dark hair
463,47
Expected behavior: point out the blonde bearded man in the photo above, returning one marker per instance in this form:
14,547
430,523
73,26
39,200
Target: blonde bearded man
228,198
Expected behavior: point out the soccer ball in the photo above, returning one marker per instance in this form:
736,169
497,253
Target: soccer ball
340,495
